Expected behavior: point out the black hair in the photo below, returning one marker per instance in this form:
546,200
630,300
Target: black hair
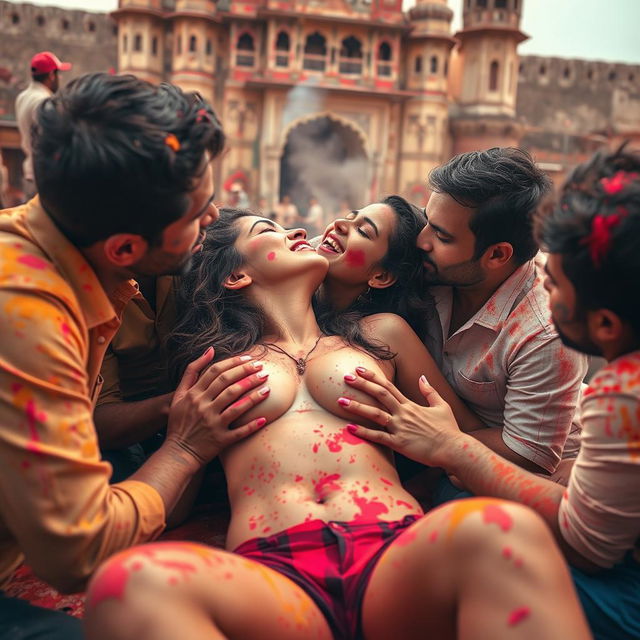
407,296
595,228
504,187
40,77
115,154
212,315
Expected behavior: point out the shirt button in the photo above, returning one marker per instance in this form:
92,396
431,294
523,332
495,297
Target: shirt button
101,340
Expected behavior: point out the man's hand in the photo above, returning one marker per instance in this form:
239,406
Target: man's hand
205,405
420,433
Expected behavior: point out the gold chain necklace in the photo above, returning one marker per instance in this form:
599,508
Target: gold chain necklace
301,363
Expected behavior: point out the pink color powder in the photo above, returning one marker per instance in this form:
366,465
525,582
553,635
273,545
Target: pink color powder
518,615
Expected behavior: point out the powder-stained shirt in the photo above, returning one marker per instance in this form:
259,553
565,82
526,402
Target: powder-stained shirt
135,364
600,512
26,104
508,364
57,509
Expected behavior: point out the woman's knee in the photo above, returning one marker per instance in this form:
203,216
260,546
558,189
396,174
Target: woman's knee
152,569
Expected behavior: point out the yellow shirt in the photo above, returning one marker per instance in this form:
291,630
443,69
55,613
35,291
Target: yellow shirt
57,509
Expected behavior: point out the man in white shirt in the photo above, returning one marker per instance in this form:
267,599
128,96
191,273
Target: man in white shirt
44,83
497,345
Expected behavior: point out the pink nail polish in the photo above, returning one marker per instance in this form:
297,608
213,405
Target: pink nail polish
261,422
349,376
264,391
345,402
361,370
352,428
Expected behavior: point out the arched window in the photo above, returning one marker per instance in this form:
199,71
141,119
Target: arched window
501,4
179,45
612,76
137,42
417,64
209,47
283,46
566,73
40,21
154,46
494,70
351,56
315,52
482,4
91,26
433,64
542,70
245,56
15,18
384,59
125,43
193,44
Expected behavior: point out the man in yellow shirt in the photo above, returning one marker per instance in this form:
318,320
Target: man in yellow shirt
123,171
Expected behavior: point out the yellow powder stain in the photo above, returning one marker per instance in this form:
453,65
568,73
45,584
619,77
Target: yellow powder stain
461,509
298,610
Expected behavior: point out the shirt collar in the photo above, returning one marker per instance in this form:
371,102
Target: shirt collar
497,308
493,314
94,302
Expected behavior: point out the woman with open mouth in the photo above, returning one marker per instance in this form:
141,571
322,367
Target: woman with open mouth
326,542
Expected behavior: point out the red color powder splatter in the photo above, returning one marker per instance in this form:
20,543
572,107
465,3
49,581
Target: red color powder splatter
369,509
271,256
496,514
518,615
327,484
32,261
507,553
354,257
402,503
433,536
299,478
111,583
387,482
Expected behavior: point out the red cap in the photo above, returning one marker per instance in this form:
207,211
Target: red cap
45,61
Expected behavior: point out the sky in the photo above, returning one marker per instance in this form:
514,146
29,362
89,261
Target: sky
590,29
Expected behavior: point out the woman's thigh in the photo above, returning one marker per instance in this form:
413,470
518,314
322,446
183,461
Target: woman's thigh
167,588
475,568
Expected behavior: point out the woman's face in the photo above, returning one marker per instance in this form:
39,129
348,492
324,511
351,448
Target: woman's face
356,244
272,253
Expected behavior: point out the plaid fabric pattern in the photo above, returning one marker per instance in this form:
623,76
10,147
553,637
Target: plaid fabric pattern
331,561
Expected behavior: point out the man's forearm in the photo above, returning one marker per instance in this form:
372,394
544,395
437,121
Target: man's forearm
492,438
122,424
485,473
169,471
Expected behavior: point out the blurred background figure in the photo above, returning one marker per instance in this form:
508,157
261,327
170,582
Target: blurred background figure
239,197
287,213
314,223
44,83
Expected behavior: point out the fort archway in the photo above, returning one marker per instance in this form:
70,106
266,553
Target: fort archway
325,157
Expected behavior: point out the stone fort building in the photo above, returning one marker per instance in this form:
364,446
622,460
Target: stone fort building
343,100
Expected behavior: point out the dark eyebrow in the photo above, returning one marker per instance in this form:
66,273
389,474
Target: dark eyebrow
373,224
265,220
440,230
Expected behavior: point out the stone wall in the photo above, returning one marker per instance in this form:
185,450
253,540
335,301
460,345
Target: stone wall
86,39
570,106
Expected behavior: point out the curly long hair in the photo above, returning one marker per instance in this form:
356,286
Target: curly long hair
209,314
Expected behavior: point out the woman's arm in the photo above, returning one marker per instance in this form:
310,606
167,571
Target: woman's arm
413,360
